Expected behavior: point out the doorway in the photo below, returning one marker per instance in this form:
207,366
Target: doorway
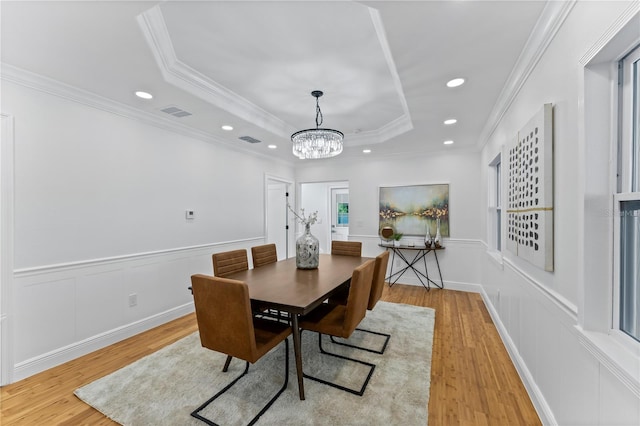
339,213
277,215
323,197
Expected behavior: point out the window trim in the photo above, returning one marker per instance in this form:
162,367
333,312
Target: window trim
495,218
598,123
628,175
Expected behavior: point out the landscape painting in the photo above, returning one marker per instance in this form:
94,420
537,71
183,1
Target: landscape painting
413,209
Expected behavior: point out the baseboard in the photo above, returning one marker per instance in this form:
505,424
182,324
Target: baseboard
538,400
54,358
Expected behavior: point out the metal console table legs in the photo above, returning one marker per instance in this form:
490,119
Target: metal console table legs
410,264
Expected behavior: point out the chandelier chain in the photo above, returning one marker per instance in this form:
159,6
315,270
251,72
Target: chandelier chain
318,113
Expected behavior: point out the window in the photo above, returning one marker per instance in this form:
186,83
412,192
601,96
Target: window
342,213
495,204
627,200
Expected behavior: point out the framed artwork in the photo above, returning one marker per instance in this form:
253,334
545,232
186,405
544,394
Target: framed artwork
411,210
530,191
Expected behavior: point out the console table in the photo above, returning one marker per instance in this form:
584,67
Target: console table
421,254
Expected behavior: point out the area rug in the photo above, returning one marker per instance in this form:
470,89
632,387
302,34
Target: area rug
166,386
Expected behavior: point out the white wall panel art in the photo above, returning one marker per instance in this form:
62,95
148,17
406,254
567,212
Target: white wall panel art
530,191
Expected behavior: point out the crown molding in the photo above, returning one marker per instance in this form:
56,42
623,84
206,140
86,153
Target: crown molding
623,22
181,75
188,79
53,87
550,21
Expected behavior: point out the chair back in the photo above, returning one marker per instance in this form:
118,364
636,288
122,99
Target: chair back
346,248
223,312
358,299
228,262
379,273
263,255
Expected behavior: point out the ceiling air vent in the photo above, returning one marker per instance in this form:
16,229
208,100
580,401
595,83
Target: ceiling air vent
250,139
176,112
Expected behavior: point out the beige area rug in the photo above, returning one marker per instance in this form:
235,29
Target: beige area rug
166,386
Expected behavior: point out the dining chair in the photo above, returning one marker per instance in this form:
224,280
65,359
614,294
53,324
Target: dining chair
264,255
226,325
342,320
377,285
346,248
228,262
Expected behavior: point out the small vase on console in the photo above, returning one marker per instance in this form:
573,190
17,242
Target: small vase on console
437,241
428,240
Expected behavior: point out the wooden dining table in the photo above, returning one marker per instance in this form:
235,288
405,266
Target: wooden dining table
280,285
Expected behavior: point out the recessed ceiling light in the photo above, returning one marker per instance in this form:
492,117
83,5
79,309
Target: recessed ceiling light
227,128
366,151
272,146
144,95
455,82
450,121
448,142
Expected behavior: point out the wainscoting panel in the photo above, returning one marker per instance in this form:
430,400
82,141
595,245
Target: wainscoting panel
567,383
66,311
100,303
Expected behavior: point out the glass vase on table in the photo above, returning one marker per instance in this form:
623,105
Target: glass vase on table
307,250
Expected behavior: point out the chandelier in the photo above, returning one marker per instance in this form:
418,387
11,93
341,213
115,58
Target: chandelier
317,143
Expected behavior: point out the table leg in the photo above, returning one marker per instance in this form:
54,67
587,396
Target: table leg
298,353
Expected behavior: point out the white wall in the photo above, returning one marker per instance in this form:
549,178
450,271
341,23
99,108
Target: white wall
458,169
100,204
537,312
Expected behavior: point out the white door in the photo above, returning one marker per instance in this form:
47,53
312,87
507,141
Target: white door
276,221
340,214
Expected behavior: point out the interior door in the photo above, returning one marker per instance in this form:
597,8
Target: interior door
276,220
340,214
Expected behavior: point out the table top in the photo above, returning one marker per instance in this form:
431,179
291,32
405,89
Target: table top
285,287
416,247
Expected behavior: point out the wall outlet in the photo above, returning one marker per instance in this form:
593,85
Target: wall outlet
190,214
133,300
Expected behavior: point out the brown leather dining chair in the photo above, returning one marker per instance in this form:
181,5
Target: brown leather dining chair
228,262
346,248
226,325
377,285
341,320
264,255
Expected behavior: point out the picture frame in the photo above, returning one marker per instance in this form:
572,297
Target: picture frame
414,209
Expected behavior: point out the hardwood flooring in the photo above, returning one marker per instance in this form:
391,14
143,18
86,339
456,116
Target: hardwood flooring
473,381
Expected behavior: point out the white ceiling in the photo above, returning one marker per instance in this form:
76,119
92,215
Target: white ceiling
382,65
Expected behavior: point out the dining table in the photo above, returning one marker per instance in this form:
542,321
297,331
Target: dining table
282,286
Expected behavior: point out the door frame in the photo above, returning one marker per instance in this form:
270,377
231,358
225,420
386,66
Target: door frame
289,184
6,246
332,188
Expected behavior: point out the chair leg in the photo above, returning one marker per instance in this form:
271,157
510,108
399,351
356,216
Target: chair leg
359,392
375,351
226,364
196,412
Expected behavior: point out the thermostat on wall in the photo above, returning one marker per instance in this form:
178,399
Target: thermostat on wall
190,214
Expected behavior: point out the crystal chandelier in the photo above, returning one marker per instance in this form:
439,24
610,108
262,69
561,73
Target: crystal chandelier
317,143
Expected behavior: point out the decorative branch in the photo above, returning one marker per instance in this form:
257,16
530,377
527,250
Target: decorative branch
313,217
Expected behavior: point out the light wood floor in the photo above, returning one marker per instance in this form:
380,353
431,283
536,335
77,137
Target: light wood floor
473,381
